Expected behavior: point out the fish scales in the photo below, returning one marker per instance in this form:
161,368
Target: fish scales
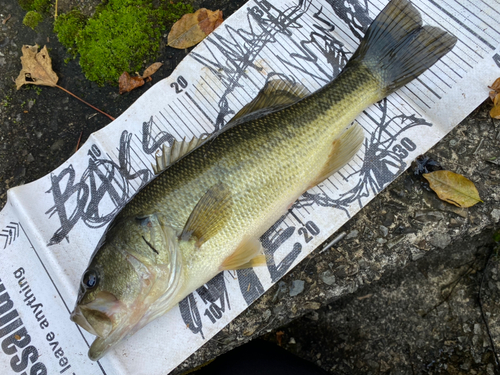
206,211
266,163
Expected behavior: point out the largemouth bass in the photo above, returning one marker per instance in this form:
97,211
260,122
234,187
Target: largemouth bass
207,210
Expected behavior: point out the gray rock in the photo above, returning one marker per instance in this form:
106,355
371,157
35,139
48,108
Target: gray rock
328,278
384,231
352,234
282,290
495,215
57,145
395,241
477,329
428,216
440,240
297,287
267,314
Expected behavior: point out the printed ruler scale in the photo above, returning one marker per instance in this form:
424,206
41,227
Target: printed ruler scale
51,226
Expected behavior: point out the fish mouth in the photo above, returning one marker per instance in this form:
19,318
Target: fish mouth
93,321
108,319
98,316
80,319
100,346
100,325
127,327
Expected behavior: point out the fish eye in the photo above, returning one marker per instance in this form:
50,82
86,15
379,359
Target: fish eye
90,279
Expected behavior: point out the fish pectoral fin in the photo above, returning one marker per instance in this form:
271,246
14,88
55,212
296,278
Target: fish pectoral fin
210,214
275,95
169,155
343,150
248,254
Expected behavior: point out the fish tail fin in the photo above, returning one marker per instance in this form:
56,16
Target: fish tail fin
397,48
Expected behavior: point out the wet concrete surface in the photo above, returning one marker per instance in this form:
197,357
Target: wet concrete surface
397,295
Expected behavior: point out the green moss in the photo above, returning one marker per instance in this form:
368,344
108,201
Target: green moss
68,26
170,13
32,19
38,5
41,5
116,41
119,37
27,5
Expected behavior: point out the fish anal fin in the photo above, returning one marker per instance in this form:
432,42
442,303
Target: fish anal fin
209,215
343,150
248,254
275,95
169,155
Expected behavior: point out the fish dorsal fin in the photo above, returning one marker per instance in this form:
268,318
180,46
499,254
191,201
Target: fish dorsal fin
248,254
210,214
343,150
275,95
170,155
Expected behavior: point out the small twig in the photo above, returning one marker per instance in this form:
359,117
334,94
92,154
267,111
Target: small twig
497,362
6,19
83,101
55,14
479,146
335,241
453,286
78,143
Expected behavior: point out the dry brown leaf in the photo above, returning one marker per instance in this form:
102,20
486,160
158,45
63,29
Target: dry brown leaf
453,188
36,68
495,97
495,111
496,85
279,337
127,83
150,70
192,28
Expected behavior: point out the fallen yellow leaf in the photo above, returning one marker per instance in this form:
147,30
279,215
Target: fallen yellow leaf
496,85
495,111
495,97
36,68
192,28
453,188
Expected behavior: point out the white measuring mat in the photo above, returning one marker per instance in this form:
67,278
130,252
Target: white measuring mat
49,228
